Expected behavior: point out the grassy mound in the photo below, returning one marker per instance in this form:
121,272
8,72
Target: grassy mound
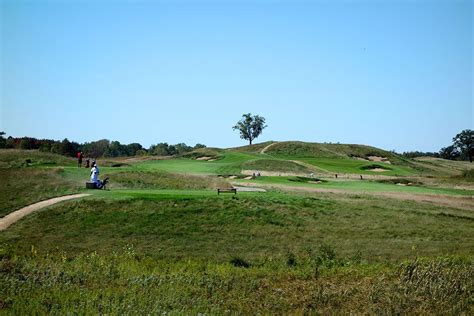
248,225
163,180
212,153
275,165
15,158
320,150
375,167
22,186
255,148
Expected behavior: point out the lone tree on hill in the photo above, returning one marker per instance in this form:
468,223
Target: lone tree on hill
465,142
250,126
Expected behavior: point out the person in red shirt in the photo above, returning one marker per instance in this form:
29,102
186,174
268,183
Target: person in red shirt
79,159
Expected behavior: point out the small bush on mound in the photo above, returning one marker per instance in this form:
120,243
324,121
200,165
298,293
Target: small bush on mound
120,164
239,262
374,166
203,152
468,174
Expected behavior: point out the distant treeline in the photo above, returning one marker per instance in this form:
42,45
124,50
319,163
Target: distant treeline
449,152
100,148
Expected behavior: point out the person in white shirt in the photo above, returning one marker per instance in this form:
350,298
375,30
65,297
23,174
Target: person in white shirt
95,177
95,174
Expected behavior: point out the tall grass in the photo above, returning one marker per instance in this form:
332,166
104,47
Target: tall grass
128,283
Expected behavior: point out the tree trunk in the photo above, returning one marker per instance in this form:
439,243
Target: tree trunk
250,142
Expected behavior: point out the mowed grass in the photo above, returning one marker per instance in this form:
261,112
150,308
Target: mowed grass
194,224
230,163
353,166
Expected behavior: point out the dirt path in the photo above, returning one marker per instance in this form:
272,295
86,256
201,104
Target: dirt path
19,214
266,148
249,189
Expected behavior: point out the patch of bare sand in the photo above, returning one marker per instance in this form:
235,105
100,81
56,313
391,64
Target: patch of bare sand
204,158
11,218
378,170
378,159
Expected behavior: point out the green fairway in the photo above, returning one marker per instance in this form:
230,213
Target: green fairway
230,163
337,165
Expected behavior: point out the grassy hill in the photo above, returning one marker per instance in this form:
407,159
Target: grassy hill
318,150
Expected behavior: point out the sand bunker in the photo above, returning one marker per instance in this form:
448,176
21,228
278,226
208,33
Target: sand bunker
204,158
378,159
378,170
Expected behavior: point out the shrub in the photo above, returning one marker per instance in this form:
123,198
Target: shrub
239,262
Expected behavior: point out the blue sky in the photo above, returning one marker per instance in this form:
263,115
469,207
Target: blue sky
392,74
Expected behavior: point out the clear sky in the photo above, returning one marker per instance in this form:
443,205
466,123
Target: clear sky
392,74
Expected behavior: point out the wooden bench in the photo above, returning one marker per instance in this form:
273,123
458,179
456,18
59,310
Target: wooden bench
232,190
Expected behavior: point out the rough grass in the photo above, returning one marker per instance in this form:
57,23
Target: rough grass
467,175
249,225
23,186
164,180
319,150
129,283
255,148
14,158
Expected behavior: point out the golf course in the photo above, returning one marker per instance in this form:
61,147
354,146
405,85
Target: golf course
311,228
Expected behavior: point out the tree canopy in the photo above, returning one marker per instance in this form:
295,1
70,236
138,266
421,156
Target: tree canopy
464,141
250,126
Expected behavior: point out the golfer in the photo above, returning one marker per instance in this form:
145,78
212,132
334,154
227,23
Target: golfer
95,174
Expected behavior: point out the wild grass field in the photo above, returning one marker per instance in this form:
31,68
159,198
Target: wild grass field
162,241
